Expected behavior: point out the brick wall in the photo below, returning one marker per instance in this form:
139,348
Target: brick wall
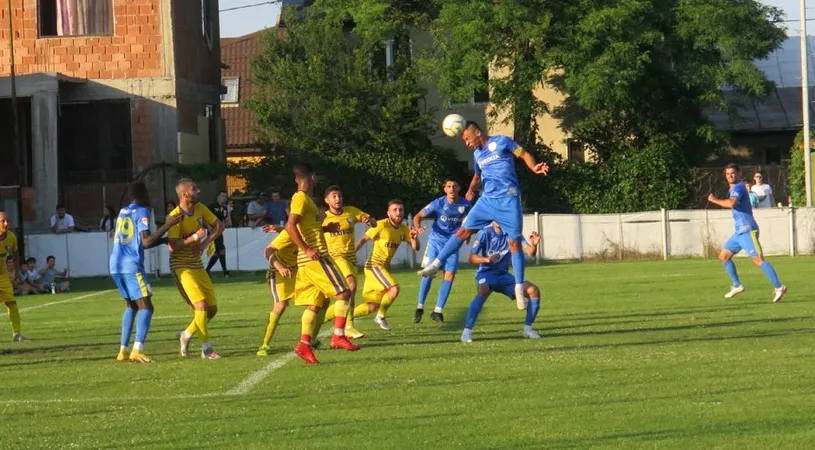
141,131
134,50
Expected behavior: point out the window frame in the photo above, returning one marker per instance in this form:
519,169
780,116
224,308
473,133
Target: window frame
53,3
237,91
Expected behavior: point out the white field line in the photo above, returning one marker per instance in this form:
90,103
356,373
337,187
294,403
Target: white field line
72,299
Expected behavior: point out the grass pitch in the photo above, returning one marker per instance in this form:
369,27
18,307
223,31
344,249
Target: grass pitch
633,355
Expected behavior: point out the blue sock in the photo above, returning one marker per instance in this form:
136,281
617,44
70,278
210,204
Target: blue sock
532,310
450,248
519,266
444,293
731,270
143,324
769,270
127,325
474,311
424,289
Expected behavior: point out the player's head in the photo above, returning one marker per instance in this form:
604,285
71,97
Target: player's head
137,192
473,136
50,261
304,176
222,198
451,188
333,197
3,222
732,173
496,227
396,211
61,210
186,189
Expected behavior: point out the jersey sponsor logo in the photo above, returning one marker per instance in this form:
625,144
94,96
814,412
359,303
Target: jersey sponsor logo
488,160
450,219
341,233
392,244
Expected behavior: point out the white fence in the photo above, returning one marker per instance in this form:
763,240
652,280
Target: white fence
662,234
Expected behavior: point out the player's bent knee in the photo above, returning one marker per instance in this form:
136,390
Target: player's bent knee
373,307
725,255
758,261
393,292
483,290
449,276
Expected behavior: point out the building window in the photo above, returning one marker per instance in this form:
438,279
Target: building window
9,173
576,150
231,85
206,22
481,95
75,17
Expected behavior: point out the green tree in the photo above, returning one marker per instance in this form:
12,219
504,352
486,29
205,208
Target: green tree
797,175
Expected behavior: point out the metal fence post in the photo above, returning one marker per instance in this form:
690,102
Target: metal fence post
665,231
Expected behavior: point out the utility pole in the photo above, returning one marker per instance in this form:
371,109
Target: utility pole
805,105
15,122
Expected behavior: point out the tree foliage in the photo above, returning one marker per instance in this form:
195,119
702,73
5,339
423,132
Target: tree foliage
797,177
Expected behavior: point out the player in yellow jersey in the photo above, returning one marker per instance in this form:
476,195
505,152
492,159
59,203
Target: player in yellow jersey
380,289
186,241
318,278
339,235
8,249
282,256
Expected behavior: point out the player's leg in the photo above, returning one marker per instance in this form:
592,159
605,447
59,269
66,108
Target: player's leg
533,292
196,288
282,291
128,317
749,242
138,286
303,347
450,269
482,292
7,297
331,283
350,330
431,250
509,215
390,291
479,216
730,248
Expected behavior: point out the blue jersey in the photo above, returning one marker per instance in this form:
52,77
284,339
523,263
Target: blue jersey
128,249
742,211
489,242
495,162
448,216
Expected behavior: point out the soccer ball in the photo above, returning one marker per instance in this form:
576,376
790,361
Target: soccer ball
453,125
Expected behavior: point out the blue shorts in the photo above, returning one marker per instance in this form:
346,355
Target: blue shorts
744,241
503,283
506,211
433,249
132,286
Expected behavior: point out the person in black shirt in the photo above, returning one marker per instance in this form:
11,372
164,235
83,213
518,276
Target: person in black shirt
224,213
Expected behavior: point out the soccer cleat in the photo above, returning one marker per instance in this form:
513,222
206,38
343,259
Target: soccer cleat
779,292
430,270
263,350
18,337
734,291
123,355
417,316
315,343
342,342
437,317
529,333
137,356
185,344
353,333
382,322
467,336
209,354
520,298
305,353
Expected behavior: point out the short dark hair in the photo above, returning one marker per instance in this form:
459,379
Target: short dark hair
223,192
332,188
137,192
470,123
449,179
31,259
303,170
60,205
395,201
50,257
733,166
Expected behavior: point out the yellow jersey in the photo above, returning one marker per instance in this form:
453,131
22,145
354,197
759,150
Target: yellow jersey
310,226
386,239
285,250
189,257
8,248
341,242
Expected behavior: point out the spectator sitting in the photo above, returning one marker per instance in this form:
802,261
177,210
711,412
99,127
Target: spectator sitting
256,210
277,210
31,276
763,190
753,196
62,222
50,275
20,288
108,222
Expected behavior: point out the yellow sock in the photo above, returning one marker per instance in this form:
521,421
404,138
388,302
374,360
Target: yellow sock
329,314
14,316
192,328
318,323
270,328
201,322
307,323
386,303
362,310
349,314
341,308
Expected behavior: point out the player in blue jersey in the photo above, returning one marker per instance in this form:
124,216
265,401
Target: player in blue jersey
449,210
494,161
131,238
491,252
746,236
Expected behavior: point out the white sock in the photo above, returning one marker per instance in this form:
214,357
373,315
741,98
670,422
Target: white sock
437,310
138,346
528,328
436,263
420,306
124,347
186,334
380,314
339,331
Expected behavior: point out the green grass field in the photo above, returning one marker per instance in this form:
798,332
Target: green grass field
634,355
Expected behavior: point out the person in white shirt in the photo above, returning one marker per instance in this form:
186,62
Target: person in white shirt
763,190
62,222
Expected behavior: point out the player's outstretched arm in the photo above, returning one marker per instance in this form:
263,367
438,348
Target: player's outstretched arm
531,247
413,240
528,159
362,241
417,222
724,203
154,240
475,186
475,258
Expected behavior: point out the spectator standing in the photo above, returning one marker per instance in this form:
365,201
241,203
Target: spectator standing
223,211
277,210
256,210
763,190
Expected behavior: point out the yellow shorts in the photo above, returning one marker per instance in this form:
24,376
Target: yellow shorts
6,288
194,286
317,281
282,288
377,281
347,268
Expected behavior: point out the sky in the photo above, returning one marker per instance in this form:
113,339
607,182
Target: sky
247,20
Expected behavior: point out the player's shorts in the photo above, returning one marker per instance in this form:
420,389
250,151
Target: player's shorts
219,243
503,283
745,241
347,268
194,286
282,288
377,281
432,250
317,281
6,288
506,211
132,286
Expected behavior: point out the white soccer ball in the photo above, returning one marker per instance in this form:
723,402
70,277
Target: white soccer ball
453,125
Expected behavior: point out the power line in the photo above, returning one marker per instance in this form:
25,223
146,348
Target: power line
270,2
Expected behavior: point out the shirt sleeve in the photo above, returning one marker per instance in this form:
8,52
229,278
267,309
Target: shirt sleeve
431,207
298,203
405,233
373,233
506,144
53,221
478,244
69,221
476,167
14,244
143,221
209,217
